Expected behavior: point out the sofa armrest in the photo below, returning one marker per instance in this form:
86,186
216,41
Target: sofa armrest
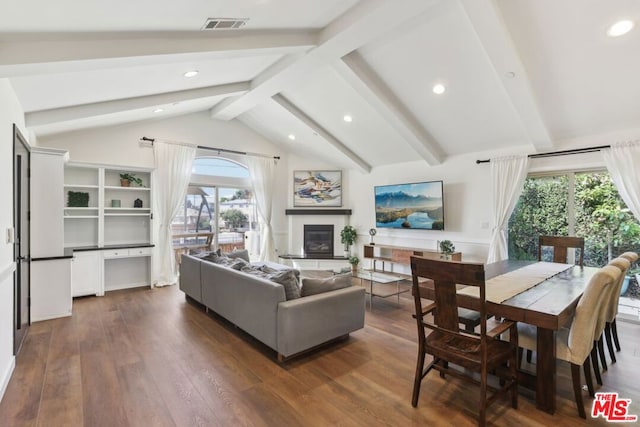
306,322
190,282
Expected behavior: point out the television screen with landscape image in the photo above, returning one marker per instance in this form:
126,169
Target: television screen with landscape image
417,205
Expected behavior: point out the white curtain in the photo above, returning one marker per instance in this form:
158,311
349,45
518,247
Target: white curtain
507,180
263,173
622,162
173,172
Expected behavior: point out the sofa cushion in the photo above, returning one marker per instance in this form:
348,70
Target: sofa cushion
312,286
286,278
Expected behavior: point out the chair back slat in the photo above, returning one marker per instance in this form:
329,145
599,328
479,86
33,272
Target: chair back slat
446,275
561,246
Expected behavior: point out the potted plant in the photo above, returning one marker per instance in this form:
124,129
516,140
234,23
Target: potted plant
447,248
348,237
127,178
354,261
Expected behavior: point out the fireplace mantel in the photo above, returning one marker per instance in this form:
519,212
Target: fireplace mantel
317,212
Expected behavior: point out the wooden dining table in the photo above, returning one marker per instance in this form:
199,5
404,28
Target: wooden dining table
549,305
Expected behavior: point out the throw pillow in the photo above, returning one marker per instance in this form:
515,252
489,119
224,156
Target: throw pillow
287,278
243,253
238,263
317,286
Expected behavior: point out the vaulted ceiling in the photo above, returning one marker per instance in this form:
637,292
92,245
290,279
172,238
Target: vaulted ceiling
515,72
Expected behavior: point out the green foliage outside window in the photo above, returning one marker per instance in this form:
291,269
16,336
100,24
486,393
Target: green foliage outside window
601,217
541,210
234,218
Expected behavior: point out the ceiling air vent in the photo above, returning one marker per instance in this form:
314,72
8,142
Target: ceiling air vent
224,23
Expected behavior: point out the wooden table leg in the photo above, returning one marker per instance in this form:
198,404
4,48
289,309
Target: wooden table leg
546,370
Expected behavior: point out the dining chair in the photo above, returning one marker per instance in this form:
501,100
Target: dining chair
574,344
612,311
632,257
601,320
455,352
561,245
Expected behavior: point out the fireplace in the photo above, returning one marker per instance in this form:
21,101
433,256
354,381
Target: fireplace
318,241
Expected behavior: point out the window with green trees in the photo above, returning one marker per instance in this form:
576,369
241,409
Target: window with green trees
584,204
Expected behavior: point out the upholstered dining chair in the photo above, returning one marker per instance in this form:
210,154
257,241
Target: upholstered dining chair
480,353
601,320
632,257
561,245
612,310
574,344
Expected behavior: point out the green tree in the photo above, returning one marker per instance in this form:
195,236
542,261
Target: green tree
234,218
603,218
541,210
242,194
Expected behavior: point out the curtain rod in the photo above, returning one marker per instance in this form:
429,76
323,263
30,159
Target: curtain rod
559,153
218,150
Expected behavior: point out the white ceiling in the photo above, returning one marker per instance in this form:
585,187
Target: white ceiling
517,72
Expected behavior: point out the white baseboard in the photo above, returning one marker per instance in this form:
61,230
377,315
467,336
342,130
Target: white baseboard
126,286
7,376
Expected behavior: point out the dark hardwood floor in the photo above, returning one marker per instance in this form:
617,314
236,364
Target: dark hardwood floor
150,358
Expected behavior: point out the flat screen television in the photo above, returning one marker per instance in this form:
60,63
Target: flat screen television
417,205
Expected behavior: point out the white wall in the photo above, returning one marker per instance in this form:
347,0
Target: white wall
119,145
10,113
467,194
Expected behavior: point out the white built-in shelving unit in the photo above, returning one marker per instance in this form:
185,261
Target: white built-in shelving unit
113,243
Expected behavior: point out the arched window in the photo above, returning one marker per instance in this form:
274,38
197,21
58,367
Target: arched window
219,207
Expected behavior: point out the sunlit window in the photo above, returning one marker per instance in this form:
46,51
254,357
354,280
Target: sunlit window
219,211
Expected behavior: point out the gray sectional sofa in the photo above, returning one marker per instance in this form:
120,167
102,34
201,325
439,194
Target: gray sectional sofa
259,306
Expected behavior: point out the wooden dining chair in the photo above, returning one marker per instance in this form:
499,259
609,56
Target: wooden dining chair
561,246
574,344
481,353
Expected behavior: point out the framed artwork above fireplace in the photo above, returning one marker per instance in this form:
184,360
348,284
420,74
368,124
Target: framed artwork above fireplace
318,188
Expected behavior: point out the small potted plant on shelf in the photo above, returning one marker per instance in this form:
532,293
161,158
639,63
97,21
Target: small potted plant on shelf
354,261
446,248
348,237
127,178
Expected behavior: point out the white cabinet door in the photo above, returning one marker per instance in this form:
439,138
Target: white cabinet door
50,289
86,273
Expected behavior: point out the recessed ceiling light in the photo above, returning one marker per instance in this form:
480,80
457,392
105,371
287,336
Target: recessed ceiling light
192,73
292,136
620,28
439,89
158,110
347,118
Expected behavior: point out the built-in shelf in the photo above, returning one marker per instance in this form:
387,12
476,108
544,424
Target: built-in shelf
317,212
80,216
128,209
81,208
127,214
79,186
116,187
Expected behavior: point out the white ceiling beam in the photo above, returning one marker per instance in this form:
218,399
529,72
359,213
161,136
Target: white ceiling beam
20,54
335,142
494,36
355,71
55,115
365,22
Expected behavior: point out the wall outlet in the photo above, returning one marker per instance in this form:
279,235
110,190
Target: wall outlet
9,238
